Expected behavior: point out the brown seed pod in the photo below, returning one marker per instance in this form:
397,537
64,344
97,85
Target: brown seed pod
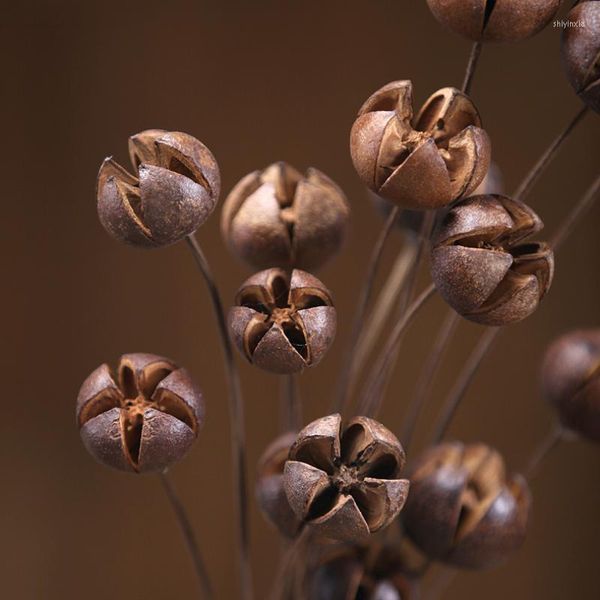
144,419
344,482
173,191
494,20
462,509
421,163
483,267
283,323
280,218
571,381
270,494
580,50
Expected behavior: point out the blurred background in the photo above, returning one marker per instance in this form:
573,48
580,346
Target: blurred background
257,82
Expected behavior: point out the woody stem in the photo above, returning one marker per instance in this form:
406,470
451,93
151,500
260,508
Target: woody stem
472,66
291,406
550,441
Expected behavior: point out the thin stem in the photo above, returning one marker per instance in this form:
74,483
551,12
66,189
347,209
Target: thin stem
189,536
366,291
546,158
291,406
236,416
552,439
289,559
427,376
454,398
582,206
472,66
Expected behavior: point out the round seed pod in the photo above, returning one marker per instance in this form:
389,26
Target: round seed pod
570,381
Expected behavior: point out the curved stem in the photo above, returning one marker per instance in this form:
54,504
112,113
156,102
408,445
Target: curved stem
546,158
188,534
291,405
472,66
236,416
343,395
552,439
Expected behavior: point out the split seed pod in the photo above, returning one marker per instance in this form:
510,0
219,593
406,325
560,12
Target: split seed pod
345,481
421,163
580,49
174,189
144,419
483,267
280,218
270,494
462,508
283,323
494,20
571,381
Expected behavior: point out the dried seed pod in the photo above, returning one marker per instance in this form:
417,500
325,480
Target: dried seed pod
344,482
280,218
374,572
580,49
283,323
173,191
494,20
462,508
424,163
270,494
482,265
571,381
144,419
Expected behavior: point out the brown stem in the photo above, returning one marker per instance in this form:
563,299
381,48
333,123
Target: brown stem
291,405
472,66
550,441
289,560
427,376
582,206
366,291
454,398
189,536
236,416
546,158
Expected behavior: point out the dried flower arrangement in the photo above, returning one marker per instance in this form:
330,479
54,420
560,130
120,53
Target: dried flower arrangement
359,521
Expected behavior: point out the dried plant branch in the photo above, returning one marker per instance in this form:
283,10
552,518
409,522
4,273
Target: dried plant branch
541,452
472,66
291,405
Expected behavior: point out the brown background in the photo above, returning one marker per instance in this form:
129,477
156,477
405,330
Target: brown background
257,81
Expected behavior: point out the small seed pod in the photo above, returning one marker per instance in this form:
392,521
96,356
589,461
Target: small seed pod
424,163
374,572
462,509
482,266
173,191
281,218
571,381
270,494
580,49
283,323
494,20
144,419
345,482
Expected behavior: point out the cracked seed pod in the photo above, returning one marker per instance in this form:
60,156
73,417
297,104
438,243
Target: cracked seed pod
270,494
494,20
144,419
483,267
280,218
580,50
462,509
422,163
283,323
374,572
571,381
174,188
345,481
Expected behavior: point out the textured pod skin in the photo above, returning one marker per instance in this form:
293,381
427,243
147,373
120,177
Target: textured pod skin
494,20
570,381
482,264
462,509
580,51
345,481
424,162
283,323
142,420
280,218
174,189
270,494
